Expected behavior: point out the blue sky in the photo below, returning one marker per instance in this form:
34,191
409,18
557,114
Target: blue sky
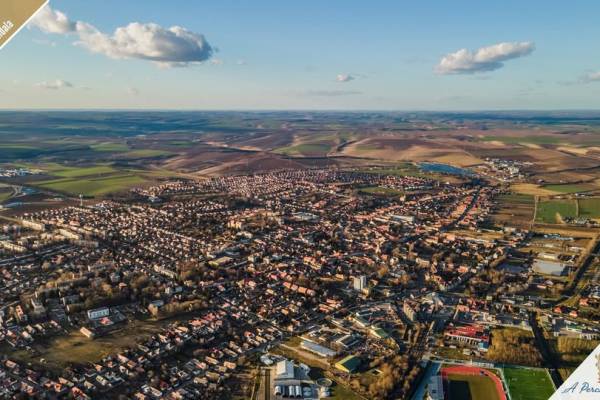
311,55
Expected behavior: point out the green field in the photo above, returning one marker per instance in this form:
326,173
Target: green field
589,208
78,172
516,198
548,210
366,148
570,188
471,387
110,147
528,384
93,186
5,195
9,151
145,153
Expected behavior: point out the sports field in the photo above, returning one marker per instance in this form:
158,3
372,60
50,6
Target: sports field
528,384
471,383
380,191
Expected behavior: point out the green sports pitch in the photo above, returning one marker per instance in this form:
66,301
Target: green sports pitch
528,383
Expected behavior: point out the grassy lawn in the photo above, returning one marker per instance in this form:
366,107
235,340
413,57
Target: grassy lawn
589,208
5,195
471,387
74,348
381,191
570,188
548,210
528,384
93,186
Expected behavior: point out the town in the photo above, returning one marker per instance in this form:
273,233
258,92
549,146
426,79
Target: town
305,283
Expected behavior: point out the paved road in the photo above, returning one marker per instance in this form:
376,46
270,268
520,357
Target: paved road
264,392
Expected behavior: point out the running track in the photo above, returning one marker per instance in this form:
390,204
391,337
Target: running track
464,370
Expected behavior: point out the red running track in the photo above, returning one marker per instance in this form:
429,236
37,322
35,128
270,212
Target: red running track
464,370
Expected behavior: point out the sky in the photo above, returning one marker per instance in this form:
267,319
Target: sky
310,54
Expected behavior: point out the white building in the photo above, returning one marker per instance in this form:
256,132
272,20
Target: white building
98,313
360,283
285,370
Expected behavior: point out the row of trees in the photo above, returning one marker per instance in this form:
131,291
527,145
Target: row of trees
514,346
574,350
394,379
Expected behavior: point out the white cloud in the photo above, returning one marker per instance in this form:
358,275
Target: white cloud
54,85
483,59
133,91
591,77
51,21
241,62
344,78
167,47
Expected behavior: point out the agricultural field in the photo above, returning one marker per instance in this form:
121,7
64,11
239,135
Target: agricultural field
77,172
515,209
523,139
589,208
305,149
571,188
528,384
93,186
110,147
145,153
553,211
